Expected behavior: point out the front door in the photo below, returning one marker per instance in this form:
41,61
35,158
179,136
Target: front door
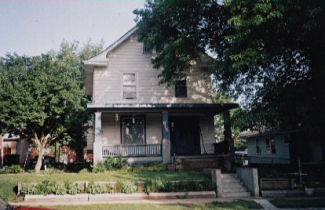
185,135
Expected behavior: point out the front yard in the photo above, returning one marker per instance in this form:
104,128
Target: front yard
8,182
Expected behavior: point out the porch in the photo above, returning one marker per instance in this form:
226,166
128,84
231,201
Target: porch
144,133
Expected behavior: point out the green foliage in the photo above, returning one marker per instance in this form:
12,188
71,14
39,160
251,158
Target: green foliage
74,188
110,163
13,169
59,189
96,188
126,187
268,54
161,185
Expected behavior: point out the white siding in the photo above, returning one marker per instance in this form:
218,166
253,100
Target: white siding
282,149
128,58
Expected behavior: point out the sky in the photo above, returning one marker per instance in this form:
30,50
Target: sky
32,27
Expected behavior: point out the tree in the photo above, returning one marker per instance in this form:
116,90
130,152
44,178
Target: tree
71,55
268,53
38,98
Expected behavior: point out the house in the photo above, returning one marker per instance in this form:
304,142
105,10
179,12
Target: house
13,150
281,147
137,118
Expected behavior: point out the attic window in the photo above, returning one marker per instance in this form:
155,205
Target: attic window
180,89
129,86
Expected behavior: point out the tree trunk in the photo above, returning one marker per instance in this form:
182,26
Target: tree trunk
39,159
41,145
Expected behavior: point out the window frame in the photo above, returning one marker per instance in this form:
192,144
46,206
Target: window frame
144,128
270,145
129,85
257,145
180,86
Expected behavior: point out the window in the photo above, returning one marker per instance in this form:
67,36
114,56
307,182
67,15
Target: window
267,145
258,149
133,130
273,150
270,145
181,89
129,86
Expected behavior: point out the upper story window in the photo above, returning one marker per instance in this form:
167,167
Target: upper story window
129,86
180,89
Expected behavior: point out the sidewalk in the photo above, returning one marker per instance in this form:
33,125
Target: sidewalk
3,205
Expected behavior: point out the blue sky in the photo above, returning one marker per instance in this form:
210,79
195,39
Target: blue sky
32,27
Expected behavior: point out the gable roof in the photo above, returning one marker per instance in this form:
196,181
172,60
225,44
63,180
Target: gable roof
100,59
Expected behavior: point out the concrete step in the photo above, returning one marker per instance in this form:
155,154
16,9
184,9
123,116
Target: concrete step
236,194
230,180
233,185
234,189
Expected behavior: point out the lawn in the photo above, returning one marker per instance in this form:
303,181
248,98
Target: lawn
8,182
298,203
238,205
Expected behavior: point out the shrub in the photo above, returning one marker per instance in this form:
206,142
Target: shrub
99,167
28,189
13,169
73,188
97,188
127,187
110,164
59,189
160,185
115,163
45,187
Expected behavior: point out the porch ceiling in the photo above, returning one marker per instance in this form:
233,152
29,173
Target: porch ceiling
194,107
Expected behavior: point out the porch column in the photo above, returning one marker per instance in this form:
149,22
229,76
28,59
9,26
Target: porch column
227,132
165,138
97,148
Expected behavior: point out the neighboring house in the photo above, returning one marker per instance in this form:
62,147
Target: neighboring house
282,147
13,150
138,118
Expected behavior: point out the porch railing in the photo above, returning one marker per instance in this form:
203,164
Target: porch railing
132,150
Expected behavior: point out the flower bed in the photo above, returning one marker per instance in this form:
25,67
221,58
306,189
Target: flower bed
155,185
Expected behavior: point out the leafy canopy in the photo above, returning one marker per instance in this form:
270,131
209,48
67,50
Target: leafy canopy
269,54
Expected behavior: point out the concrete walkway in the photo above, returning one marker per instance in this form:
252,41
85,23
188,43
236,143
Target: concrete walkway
3,205
266,204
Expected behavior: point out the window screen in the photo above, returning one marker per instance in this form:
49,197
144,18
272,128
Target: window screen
133,130
129,86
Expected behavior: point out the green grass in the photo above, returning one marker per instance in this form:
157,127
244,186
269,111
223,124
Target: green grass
298,203
8,182
238,205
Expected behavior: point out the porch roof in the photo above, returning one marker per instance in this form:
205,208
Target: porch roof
185,107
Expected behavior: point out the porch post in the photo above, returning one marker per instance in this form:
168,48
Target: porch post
97,148
227,132
165,138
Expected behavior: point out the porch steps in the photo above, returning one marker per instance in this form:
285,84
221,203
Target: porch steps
232,187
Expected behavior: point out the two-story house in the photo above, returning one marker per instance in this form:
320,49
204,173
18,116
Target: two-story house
138,118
